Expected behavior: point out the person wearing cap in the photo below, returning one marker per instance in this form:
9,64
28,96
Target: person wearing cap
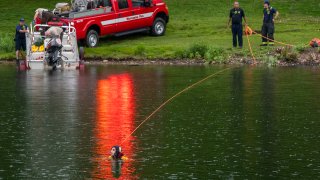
20,37
269,16
236,16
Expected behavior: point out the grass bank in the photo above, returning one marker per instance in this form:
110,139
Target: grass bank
197,30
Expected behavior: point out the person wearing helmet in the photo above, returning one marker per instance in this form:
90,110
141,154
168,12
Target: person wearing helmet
269,16
116,153
20,37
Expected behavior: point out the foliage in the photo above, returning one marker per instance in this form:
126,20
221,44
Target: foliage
289,54
301,48
6,43
270,60
195,51
140,51
215,54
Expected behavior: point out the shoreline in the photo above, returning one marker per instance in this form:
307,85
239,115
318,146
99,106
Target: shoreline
174,62
280,57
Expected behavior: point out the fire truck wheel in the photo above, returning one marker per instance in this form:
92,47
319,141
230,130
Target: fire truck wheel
81,53
158,27
92,39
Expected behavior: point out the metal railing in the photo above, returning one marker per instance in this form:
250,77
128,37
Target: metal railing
70,28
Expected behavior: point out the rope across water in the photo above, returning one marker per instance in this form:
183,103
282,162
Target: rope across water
172,98
197,83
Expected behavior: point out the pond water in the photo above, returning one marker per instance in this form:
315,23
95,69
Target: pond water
245,123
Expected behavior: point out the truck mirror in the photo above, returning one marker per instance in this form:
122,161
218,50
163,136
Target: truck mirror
147,3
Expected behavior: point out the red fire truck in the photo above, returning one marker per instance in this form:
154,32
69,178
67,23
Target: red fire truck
95,18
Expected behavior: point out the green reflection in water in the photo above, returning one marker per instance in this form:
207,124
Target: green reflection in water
245,123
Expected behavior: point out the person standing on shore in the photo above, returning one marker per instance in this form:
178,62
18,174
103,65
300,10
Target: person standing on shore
20,38
269,16
236,16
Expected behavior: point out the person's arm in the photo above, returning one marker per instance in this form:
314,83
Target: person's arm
244,18
229,22
276,16
24,31
230,18
18,28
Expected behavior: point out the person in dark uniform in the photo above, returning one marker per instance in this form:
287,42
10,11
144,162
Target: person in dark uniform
269,15
20,37
236,16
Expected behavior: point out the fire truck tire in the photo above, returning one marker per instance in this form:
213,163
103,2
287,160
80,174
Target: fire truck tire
92,38
81,53
159,27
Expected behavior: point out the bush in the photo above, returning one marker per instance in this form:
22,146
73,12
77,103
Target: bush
181,54
195,51
6,43
301,48
289,54
270,60
215,54
201,51
140,51
198,50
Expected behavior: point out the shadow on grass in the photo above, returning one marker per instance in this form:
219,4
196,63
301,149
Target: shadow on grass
121,39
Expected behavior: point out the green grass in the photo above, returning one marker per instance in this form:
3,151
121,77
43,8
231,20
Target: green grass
6,43
192,23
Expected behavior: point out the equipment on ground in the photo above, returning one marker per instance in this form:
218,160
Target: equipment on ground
315,42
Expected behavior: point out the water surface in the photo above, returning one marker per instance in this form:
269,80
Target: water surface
255,123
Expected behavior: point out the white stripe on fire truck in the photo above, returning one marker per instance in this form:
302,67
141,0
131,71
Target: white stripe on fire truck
125,19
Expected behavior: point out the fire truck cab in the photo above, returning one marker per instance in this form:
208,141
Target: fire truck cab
95,18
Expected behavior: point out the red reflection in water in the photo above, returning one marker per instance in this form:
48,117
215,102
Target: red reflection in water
115,121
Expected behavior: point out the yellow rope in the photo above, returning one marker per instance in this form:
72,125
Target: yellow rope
173,97
248,29
250,48
254,32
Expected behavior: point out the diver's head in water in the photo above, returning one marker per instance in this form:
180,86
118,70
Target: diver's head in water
116,152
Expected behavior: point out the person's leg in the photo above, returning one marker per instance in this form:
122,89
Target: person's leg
17,54
240,32
18,46
264,32
24,45
17,58
23,49
234,35
271,34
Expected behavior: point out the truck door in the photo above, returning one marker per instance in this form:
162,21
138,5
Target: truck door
144,13
108,20
124,16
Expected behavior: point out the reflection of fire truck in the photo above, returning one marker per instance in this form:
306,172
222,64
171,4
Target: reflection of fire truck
95,18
